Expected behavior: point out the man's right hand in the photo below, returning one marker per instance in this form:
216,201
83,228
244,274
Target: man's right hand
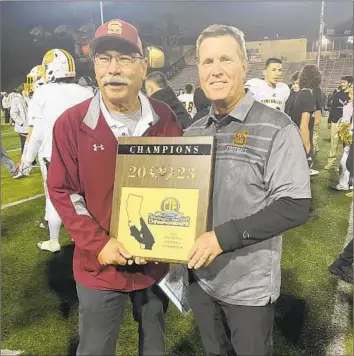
114,253
329,126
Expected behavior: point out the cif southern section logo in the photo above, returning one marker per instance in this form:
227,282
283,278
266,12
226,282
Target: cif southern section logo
170,214
240,138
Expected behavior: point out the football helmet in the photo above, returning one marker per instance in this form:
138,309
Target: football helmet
58,63
35,78
156,57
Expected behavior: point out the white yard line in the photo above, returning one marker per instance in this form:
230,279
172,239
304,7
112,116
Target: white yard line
21,201
15,150
5,352
341,311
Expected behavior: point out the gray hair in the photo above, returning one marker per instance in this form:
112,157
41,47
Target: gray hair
224,30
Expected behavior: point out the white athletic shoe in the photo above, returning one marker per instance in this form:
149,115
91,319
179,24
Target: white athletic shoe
17,175
340,188
49,245
313,172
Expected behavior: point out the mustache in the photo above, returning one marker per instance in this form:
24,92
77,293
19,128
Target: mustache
115,79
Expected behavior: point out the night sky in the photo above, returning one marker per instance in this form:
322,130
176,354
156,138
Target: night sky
256,19
287,19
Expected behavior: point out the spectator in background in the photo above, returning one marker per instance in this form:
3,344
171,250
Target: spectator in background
18,113
188,100
294,88
7,161
339,99
157,87
345,131
49,101
304,106
342,267
6,107
330,98
316,115
349,167
270,91
317,118
302,112
87,82
201,102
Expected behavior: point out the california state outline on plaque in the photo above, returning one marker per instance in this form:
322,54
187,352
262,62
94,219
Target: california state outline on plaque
138,228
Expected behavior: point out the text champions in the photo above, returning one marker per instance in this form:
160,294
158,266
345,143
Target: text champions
182,150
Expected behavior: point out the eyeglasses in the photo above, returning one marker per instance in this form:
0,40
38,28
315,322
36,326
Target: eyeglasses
124,60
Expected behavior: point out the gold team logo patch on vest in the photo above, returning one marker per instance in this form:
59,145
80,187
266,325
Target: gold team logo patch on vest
114,28
240,138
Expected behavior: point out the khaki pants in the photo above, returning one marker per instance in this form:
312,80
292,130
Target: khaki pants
334,145
316,138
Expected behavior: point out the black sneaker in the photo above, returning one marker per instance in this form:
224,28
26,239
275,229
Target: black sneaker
340,271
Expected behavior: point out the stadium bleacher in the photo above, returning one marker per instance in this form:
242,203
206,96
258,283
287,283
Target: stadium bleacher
332,71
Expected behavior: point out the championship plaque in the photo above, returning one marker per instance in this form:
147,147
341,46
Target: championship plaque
161,195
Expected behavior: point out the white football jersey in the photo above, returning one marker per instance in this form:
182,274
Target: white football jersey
29,113
188,102
48,103
272,97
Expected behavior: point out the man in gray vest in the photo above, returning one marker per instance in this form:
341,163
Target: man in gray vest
261,189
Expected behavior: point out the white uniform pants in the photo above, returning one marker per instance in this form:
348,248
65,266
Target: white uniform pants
51,215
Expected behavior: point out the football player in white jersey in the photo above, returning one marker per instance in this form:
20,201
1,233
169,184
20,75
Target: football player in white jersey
34,79
270,91
48,103
188,100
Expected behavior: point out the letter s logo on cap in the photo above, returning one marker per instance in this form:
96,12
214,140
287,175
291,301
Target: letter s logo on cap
114,28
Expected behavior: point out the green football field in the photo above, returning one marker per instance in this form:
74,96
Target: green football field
39,305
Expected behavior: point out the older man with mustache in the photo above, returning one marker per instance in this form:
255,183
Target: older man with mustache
80,181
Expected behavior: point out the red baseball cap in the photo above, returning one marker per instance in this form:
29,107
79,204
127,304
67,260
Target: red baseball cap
120,30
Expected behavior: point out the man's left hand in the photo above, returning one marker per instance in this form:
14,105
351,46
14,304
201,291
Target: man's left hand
204,251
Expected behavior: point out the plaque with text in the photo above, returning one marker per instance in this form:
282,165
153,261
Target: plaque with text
161,195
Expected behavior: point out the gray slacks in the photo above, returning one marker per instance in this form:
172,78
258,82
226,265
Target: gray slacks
101,313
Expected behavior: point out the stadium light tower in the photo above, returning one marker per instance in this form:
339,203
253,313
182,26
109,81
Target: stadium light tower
101,8
320,37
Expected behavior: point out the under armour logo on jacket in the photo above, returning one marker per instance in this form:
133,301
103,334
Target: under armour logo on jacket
96,147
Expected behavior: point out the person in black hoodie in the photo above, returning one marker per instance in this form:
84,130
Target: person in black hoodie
201,102
294,88
156,86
